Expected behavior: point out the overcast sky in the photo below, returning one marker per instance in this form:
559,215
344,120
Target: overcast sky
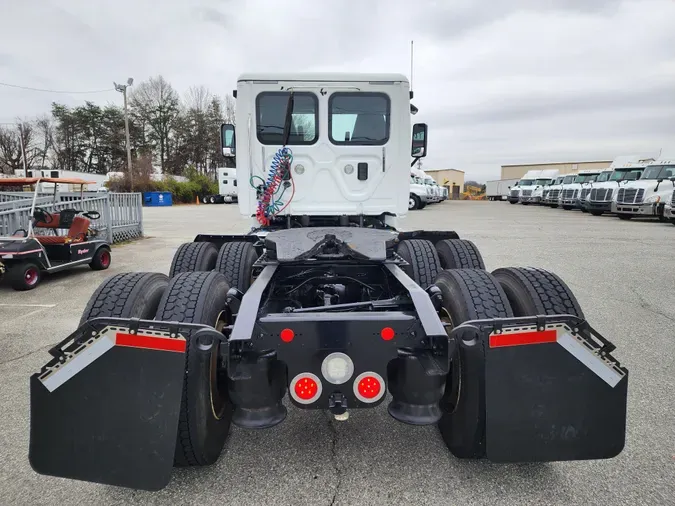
498,81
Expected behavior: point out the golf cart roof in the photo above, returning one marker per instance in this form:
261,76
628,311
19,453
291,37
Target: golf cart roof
24,181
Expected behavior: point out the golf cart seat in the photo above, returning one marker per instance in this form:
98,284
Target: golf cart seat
77,232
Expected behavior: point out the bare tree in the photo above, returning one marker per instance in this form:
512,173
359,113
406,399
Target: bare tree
44,126
11,153
156,104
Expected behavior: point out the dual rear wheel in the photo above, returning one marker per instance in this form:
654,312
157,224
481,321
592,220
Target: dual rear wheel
472,293
195,292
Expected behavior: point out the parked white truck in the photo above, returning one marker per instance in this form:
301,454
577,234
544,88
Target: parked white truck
524,183
498,189
571,192
623,170
647,196
535,195
669,209
419,192
551,193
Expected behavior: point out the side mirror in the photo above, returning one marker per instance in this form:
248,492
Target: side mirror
672,178
227,139
419,140
659,180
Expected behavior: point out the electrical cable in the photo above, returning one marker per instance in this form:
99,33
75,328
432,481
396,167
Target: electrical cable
54,91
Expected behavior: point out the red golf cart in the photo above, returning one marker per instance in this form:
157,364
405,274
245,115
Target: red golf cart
53,240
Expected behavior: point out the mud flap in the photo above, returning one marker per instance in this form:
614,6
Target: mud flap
106,408
547,389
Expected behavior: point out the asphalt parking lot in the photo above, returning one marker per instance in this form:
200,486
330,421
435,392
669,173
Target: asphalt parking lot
622,272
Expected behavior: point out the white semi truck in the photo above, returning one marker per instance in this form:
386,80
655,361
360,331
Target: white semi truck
571,192
525,183
647,196
419,192
669,209
623,170
551,193
535,195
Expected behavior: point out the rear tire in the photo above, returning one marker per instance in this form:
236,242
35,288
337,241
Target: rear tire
235,261
24,276
459,254
205,411
533,292
194,257
468,294
513,201
596,213
101,260
554,206
624,216
127,295
568,208
423,261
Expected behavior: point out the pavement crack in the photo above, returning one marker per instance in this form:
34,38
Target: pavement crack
9,361
649,307
333,458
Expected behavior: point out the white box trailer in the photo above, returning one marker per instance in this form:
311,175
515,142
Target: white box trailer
498,189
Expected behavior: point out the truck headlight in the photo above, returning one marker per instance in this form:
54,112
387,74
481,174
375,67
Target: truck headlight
654,199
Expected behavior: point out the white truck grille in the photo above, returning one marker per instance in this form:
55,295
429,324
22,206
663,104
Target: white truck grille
630,196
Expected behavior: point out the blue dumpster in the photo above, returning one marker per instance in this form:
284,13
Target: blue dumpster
157,199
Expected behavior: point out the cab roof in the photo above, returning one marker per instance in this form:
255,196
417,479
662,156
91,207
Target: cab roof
341,77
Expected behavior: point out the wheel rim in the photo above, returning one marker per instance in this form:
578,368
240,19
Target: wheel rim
411,203
31,276
105,258
218,401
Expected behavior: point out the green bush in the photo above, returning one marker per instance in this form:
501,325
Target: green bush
196,186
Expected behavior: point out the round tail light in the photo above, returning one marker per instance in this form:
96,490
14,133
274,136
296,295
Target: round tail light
369,387
306,388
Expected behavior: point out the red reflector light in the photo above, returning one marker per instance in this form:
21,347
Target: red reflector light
306,388
523,338
150,342
369,387
387,333
287,335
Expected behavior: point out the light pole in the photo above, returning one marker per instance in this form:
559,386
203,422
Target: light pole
122,88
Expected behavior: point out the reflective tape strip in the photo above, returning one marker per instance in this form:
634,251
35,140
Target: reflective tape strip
151,342
78,362
522,338
603,370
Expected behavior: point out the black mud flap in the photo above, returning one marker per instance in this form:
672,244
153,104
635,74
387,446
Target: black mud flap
106,408
543,388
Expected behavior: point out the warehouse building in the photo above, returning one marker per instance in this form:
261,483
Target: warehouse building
519,170
452,178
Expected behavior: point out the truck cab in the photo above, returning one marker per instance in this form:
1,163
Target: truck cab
346,138
227,184
552,192
571,192
543,181
647,196
419,197
623,170
524,187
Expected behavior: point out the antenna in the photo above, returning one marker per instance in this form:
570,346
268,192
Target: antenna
411,65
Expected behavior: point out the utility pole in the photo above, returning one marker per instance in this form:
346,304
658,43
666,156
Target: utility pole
23,150
122,88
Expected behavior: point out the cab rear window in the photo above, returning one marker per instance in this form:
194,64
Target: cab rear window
359,118
271,118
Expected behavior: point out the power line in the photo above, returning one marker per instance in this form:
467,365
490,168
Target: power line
53,91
